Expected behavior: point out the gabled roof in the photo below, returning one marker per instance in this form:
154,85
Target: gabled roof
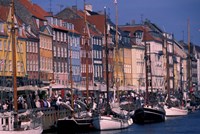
79,26
63,28
133,28
98,21
35,10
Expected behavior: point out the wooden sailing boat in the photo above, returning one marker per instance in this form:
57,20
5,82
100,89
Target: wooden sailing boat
82,122
149,113
171,111
9,121
110,121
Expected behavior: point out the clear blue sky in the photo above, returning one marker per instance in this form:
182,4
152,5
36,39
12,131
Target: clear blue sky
170,15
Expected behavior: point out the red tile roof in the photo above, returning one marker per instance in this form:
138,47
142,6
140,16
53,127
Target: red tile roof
64,29
4,11
79,25
36,10
145,29
98,21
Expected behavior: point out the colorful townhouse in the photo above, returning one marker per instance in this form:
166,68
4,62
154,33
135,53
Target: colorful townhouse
6,48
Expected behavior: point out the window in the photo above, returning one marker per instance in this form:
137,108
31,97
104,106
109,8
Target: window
36,47
54,35
100,42
55,67
94,55
18,66
58,51
65,67
54,50
38,22
75,41
61,36
58,36
27,47
64,37
61,52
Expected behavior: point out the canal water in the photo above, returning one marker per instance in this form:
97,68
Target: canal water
189,124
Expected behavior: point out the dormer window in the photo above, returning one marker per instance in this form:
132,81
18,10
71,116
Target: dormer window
61,22
55,22
38,22
45,23
138,34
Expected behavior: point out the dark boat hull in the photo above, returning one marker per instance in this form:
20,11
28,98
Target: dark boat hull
148,115
74,125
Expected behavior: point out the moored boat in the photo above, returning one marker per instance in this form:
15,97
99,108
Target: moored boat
74,125
148,115
111,123
175,111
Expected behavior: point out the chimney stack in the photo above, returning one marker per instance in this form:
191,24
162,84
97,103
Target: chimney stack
133,22
88,7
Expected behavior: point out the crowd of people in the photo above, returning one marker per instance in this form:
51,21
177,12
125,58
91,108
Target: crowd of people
42,100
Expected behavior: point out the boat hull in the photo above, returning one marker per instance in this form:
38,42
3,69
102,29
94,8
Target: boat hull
173,112
74,125
148,115
111,123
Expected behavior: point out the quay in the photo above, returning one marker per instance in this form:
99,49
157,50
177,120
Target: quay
49,118
51,115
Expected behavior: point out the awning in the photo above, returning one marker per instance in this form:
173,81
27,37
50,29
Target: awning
23,88
56,86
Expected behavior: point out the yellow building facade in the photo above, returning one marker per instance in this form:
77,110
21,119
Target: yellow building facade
6,50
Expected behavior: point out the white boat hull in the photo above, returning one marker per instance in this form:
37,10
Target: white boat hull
37,130
173,111
111,123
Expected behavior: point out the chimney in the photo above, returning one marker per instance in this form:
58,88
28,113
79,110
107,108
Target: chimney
74,7
133,22
88,7
30,1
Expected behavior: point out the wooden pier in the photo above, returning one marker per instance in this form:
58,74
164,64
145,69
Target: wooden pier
51,115
49,118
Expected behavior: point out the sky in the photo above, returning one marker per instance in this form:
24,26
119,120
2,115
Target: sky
170,15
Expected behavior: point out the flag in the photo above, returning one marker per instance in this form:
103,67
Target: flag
115,1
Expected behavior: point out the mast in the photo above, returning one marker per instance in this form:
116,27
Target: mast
167,67
14,69
86,48
188,59
146,73
117,50
148,70
14,56
106,40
